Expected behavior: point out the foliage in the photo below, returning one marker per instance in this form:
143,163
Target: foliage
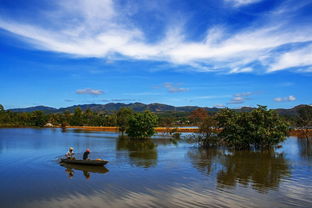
77,118
304,120
123,116
141,125
39,118
198,115
208,132
260,128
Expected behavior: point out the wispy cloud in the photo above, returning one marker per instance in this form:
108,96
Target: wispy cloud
289,98
301,57
97,28
238,3
240,98
174,89
89,91
69,100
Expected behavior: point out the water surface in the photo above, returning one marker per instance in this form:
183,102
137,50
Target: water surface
155,173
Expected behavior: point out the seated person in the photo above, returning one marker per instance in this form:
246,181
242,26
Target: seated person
86,154
70,154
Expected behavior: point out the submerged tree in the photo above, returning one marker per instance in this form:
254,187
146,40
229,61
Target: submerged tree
141,125
123,116
304,120
260,128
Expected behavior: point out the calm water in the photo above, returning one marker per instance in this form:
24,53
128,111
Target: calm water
156,173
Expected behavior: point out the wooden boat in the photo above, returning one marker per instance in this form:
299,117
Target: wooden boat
85,162
87,168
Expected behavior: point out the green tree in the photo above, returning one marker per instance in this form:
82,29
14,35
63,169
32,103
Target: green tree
208,131
1,108
123,116
260,128
77,117
304,120
38,118
141,125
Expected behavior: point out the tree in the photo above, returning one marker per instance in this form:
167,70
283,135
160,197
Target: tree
260,128
123,116
198,115
1,108
208,130
39,118
304,120
141,125
77,117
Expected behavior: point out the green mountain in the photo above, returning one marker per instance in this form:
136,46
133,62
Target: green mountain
139,107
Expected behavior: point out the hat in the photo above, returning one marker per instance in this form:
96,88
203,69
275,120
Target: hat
88,150
71,148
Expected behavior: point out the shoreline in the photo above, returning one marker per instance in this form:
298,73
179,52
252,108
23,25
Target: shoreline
293,132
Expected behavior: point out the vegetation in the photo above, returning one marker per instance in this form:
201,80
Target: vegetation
304,120
258,129
141,125
123,116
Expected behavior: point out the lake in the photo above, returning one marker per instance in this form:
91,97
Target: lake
156,173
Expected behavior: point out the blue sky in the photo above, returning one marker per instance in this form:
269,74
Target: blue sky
229,53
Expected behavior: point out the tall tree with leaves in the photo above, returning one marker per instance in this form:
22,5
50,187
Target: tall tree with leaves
77,117
304,120
141,125
198,116
260,128
123,116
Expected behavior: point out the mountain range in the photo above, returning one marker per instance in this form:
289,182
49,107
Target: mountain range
139,107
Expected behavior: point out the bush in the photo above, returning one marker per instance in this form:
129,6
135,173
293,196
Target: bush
258,129
141,125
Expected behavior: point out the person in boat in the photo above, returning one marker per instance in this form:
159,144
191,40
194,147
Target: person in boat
70,154
86,154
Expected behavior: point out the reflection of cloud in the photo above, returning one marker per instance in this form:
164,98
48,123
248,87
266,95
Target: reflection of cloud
289,98
89,91
174,89
179,196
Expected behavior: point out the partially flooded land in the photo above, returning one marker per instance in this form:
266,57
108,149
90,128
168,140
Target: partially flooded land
158,172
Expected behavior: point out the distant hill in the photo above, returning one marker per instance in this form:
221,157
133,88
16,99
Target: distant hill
139,107
35,108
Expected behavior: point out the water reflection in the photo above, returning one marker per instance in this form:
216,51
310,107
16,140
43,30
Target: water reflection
305,147
260,170
142,153
85,169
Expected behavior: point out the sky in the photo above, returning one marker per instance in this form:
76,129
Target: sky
209,53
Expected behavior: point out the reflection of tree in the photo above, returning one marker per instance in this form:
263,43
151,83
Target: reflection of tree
305,147
203,159
142,153
262,170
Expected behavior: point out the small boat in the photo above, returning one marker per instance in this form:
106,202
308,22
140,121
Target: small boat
85,162
87,168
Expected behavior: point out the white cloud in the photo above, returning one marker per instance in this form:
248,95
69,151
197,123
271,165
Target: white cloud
238,3
300,57
289,98
241,70
173,89
89,91
96,28
240,98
